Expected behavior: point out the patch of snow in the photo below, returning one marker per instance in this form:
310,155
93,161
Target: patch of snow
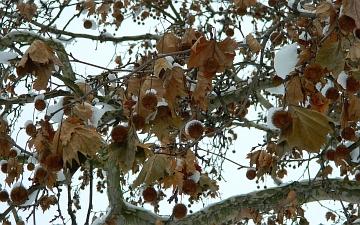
39,97
342,79
6,56
195,177
285,60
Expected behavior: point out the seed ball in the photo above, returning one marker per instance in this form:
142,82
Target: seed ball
346,23
179,211
282,119
194,129
4,167
149,101
276,81
352,84
332,94
314,72
272,3
87,24
357,176
4,196
251,174
13,153
241,11
138,121
357,33
40,104
19,195
149,194
348,133
211,65
330,154
119,133
229,32
342,151
30,129
39,176
30,166
118,4
54,162
276,38
163,111
189,187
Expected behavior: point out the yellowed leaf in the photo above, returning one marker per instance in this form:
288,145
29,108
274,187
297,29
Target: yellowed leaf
308,131
353,108
176,180
354,51
294,92
253,43
188,39
155,168
202,87
73,137
330,54
28,10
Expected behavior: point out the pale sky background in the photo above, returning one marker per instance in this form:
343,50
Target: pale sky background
236,181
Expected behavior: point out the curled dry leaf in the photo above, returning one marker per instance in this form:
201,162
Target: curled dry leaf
73,137
253,43
309,129
244,3
223,52
39,60
168,43
28,10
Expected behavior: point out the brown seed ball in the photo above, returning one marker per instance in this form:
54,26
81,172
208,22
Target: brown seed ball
119,17
4,167
67,100
163,111
229,32
357,176
40,104
54,162
330,154
19,195
352,84
149,194
189,187
332,94
346,23
119,133
87,24
4,196
276,38
276,81
13,153
241,11
251,174
30,129
282,119
342,151
138,121
30,166
39,176
314,72
118,4
348,133
149,101
272,3
211,65
179,211
357,33
194,129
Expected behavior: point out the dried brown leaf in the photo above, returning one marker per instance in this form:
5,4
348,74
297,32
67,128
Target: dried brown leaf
253,43
351,8
294,92
168,43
